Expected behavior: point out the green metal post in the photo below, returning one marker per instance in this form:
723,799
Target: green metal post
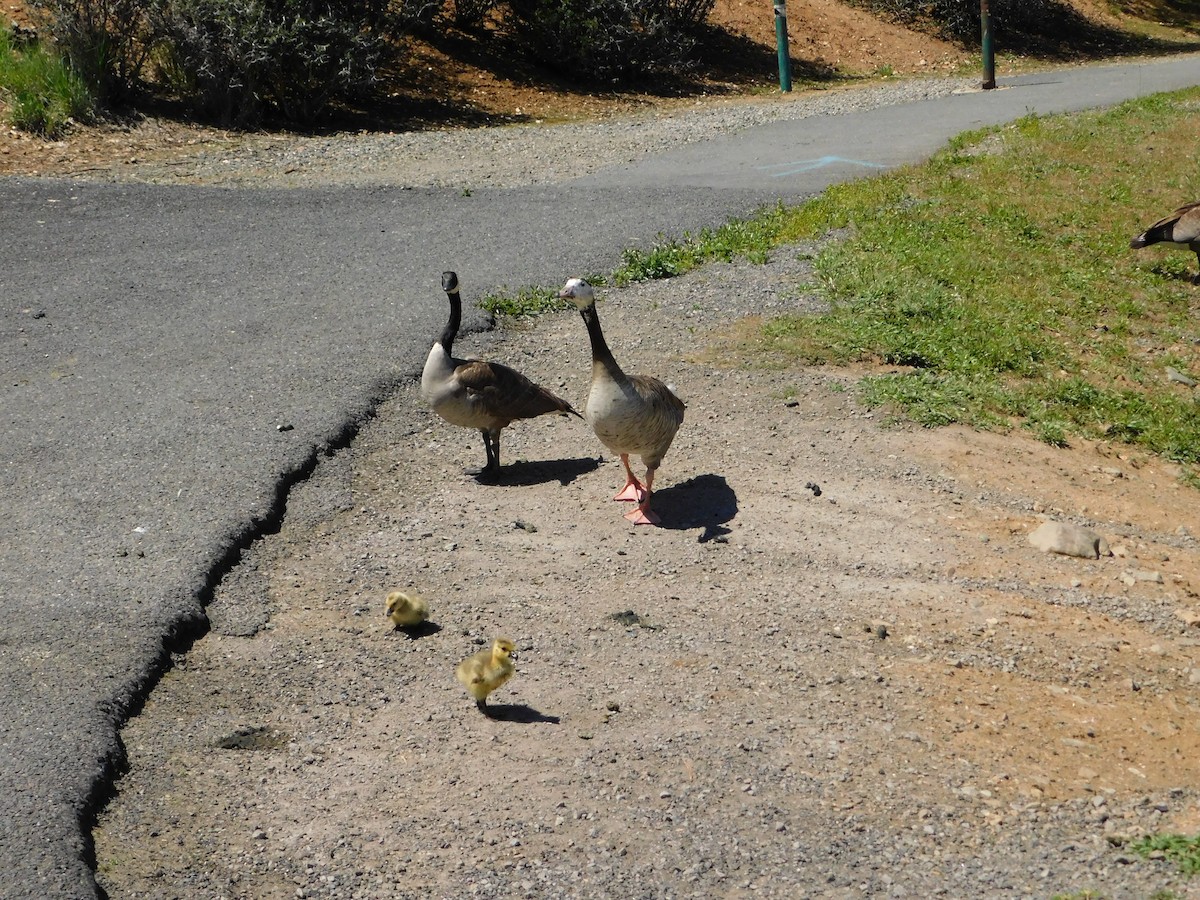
989,55
781,46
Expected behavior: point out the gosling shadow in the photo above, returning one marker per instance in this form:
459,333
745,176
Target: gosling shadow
524,473
520,713
416,632
706,502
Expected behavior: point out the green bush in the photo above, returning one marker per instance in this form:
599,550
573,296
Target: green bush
41,91
241,59
609,40
105,41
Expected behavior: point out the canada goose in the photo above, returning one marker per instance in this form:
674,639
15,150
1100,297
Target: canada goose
629,413
483,672
406,610
1181,228
474,393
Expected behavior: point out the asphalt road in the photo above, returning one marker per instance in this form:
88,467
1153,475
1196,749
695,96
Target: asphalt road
173,359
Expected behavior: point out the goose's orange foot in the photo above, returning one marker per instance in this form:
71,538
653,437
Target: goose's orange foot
633,491
642,515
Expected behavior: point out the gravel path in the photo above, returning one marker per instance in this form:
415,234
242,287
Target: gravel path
838,670
508,156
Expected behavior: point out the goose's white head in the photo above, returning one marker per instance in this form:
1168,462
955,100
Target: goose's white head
578,291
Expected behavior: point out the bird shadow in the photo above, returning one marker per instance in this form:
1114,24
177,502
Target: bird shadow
1174,273
416,632
706,502
520,713
523,473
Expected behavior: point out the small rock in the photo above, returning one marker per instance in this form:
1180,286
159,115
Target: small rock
1179,378
1069,540
877,630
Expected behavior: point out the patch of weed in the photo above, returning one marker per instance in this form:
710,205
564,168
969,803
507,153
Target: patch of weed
43,94
1183,851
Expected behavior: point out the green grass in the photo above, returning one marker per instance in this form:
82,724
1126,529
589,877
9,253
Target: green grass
41,92
1183,851
527,301
997,286
994,285
751,238
997,278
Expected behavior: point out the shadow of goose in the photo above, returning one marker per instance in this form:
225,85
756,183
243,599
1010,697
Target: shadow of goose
416,632
524,473
706,502
1167,273
521,713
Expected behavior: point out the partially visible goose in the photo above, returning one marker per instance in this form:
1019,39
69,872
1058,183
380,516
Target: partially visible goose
474,393
1181,228
629,413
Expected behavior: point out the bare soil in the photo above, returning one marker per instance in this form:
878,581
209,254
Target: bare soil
838,668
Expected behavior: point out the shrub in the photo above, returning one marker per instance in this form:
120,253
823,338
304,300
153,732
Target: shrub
238,59
43,94
1035,24
603,40
469,13
417,15
105,41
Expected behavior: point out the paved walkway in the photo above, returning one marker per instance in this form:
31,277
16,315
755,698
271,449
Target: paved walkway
173,359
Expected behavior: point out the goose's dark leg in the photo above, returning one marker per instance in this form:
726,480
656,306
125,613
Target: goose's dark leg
633,489
491,446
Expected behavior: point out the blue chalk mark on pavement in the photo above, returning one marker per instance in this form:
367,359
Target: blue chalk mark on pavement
808,165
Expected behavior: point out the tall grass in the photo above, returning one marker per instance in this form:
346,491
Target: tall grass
42,94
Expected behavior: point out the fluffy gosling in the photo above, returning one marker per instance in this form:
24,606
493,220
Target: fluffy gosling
483,672
406,610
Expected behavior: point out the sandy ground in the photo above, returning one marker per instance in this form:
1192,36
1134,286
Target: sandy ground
838,668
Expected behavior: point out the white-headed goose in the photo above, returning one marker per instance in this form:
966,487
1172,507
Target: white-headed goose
474,393
1181,228
631,414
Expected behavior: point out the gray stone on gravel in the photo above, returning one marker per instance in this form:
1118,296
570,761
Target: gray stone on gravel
1068,540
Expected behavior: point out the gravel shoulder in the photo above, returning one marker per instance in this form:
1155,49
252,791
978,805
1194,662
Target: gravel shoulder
838,669
474,158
